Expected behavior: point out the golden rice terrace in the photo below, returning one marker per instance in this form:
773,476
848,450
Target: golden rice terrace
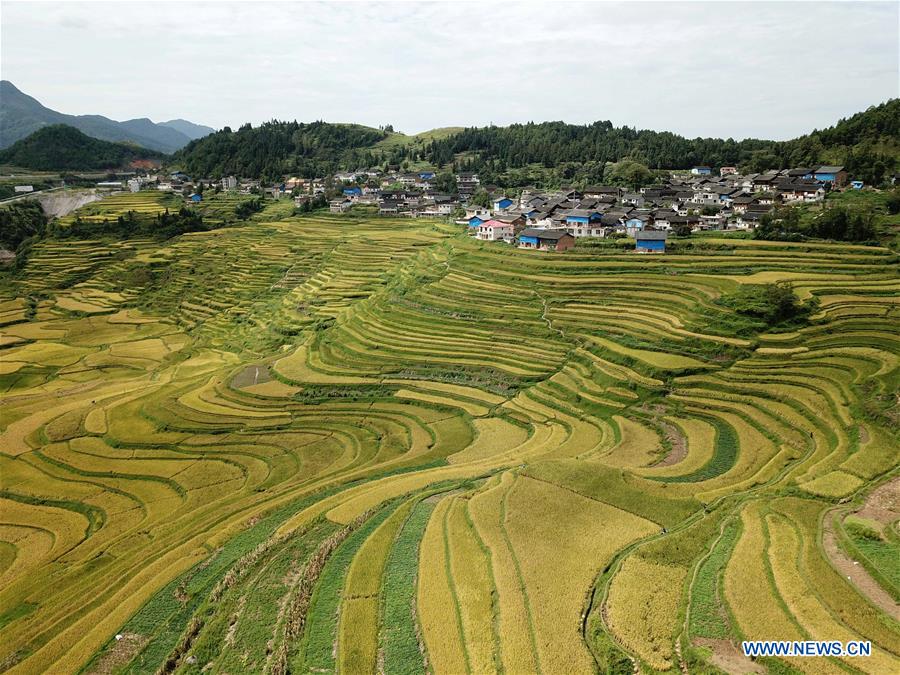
336,444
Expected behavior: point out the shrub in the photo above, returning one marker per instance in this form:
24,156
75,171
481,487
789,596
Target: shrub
770,303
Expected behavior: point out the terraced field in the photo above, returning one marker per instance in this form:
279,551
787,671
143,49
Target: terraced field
327,444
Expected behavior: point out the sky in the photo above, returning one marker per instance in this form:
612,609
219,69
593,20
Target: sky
723,69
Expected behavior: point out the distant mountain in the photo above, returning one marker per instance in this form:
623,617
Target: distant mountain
189,129
21,115
59,147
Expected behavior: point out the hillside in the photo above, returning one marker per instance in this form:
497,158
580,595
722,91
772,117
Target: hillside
275,149
866,143
333,443
63,148
859,142
21,115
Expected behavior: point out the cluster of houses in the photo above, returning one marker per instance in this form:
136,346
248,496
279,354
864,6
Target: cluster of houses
698,200
395,193
695,202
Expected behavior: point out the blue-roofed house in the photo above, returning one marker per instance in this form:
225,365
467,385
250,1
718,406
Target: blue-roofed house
584,222
475,221
836,175
426,175
196,199
352,192
701,171
546,240
502,203
857,184
650,241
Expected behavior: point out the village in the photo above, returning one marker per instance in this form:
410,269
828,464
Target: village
698,200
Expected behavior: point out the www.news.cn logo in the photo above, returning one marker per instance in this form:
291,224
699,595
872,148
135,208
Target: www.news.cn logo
806,648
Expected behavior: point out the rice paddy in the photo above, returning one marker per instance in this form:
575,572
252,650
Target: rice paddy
321,444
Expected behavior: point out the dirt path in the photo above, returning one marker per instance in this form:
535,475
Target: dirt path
883,506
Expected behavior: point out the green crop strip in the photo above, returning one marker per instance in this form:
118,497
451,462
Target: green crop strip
724,456
707,616
399,638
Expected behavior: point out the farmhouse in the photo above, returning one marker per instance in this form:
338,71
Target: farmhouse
546,240
502,203
494,230
389,206
650,241
582,217
516,220
835,175
807,193
635,223
339,205
701,171
467,184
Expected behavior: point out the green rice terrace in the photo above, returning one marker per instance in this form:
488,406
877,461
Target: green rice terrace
327,443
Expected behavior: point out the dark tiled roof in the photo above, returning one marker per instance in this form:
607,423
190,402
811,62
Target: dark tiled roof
651,235
544,234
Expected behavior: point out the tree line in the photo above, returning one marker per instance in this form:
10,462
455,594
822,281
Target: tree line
276,149
551,152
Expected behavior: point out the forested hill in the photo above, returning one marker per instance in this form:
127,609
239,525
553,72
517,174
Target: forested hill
275,148
60,148
867,143
864,138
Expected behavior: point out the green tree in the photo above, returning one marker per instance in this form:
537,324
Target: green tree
628,173
481,198
683,229
770,303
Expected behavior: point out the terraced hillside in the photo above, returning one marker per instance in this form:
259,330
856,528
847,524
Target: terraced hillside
326,443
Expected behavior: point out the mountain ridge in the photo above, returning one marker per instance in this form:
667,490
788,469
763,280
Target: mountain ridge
22,115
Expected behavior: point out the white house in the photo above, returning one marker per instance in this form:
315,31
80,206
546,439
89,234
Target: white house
803,193
230,183
24,188
339,205
494,230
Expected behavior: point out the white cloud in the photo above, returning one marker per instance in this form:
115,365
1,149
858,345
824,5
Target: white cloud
735,69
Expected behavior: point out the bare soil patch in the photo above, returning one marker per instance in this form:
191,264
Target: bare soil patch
857,574
251,375
678,442
119,654
728,657
883,504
